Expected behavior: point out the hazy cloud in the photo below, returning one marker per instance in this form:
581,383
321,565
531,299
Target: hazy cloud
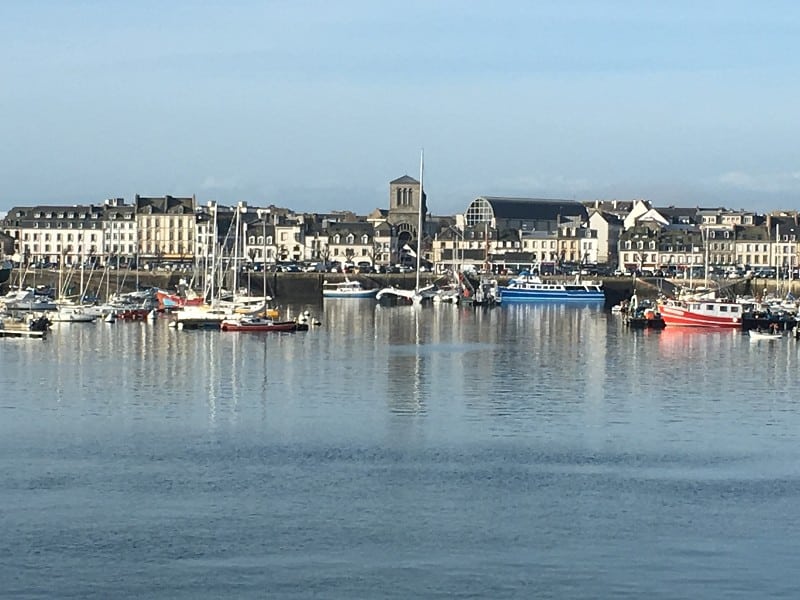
760,182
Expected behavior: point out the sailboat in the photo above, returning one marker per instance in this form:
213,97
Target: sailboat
418,294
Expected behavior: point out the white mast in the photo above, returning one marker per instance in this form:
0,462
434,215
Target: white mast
777,264
264,253
421,204
213,252
237,224
705,265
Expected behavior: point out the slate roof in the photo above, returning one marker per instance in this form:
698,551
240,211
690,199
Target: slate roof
404,179
535,208
356,228
752,233
164,205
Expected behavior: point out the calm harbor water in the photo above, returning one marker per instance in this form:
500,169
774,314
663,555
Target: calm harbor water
394,452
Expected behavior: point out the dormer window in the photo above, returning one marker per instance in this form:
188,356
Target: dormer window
365,239
337,239
351,238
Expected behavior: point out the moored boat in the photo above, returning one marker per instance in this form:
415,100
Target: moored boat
167,300
31,326
346,289
530,288
66,313
645,318
708,312
250,323
27,299
757,335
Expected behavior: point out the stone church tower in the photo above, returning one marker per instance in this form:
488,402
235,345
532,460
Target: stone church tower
405,202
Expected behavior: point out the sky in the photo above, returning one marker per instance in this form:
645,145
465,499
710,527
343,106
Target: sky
317,105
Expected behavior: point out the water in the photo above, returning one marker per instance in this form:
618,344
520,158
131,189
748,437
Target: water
527,451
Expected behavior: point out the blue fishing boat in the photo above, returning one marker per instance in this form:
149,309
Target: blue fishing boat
530,288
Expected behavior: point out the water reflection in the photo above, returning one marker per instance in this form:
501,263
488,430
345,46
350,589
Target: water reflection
406,368
549,372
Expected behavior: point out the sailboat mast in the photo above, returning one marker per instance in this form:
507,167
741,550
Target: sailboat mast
705,263
421,203
777,262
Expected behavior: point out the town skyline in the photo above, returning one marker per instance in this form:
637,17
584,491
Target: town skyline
316,106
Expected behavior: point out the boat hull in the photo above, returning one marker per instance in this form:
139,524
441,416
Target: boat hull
675,316
762,335
522,295
285,326
359,294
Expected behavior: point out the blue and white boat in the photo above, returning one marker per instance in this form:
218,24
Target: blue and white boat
530,288
346,289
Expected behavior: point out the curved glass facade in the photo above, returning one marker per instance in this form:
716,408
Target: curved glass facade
479,211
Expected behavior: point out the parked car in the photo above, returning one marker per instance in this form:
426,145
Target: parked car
289,268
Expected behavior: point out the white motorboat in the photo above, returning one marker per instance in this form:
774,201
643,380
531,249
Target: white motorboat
346,289
756,335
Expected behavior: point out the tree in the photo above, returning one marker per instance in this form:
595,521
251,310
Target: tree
375,253
325,256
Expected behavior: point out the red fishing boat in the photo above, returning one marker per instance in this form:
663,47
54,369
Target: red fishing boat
168,301
711,313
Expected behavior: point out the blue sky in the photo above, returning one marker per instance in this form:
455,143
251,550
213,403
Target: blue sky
317,105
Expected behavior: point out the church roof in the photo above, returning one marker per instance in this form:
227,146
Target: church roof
404,179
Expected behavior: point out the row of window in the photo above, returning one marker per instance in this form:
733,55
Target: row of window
682,259
67,237
60,215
